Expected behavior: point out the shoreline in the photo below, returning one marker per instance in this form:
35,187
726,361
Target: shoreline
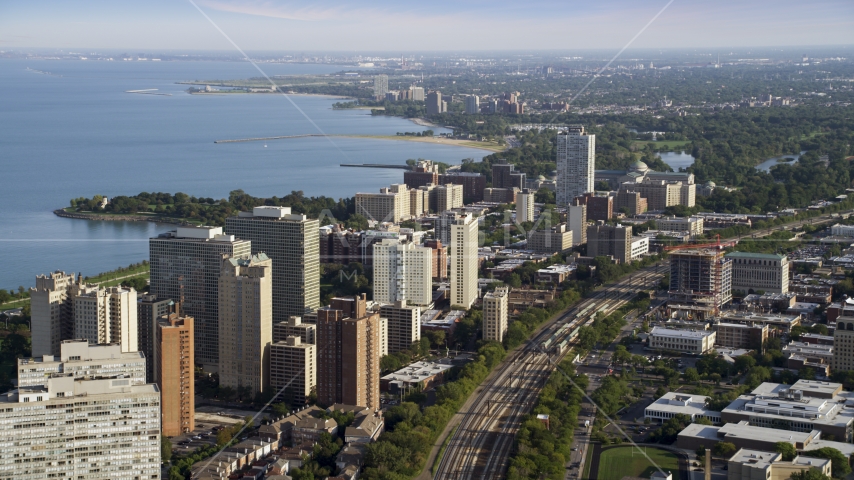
452,142
121,217
337,97
424,123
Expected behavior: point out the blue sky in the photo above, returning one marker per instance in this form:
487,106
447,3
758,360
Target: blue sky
395,26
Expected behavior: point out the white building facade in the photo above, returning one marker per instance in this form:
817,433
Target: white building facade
682,340
403,271
495,314
576,163
462,252
525,206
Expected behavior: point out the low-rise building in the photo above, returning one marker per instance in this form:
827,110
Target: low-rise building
419,375
682,340
744,435
674,403
692,225
749,464
809,355
308,429
779,322
803,407
556,239
365,428
556,273
739,335
281,430
640,247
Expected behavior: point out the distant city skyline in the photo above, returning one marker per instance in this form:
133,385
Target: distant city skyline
385,26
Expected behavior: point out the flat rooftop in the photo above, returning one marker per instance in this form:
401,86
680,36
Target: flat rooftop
683,403
741,430
418,371
669,332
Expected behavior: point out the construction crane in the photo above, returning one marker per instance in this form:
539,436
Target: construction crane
718,245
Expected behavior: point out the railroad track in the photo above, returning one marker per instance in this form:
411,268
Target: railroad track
481,446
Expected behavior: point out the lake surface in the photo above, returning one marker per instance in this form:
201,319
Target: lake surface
767,164
676,160
75,132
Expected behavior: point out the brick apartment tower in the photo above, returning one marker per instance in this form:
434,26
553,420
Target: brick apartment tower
348,354
173,370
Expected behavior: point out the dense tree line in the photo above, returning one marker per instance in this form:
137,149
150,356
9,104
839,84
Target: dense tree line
214,212
542,451
411,429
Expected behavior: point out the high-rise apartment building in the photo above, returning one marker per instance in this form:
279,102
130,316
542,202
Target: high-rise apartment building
174,375
610,240
473,184
700,281
576,162
81,428
599,207
403,272
630,202
525,206
390,205
495,314
246,322
404,325
440,259
380,85
472,104
435,104
79,359
52,312
752,272
106,315
149,308
290,240
556,239
348,357
843,344
424,172
185,266
661,194
576,221
293,369
462,251
505,176
448,197
416,93
294,327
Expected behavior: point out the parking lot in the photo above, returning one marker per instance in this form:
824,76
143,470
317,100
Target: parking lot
209,420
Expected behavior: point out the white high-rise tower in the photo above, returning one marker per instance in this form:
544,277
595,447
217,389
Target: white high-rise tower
462,251
402,271
576,162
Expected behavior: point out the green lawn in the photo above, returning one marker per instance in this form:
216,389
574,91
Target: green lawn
616,463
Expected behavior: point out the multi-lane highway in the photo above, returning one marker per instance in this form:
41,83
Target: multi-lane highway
481,445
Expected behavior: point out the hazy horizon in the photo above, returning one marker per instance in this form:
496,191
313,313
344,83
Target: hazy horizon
542,25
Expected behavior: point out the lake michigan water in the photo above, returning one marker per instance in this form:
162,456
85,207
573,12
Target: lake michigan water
73,131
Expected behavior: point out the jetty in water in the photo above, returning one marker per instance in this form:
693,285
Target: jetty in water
259,139
376,165
149,91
